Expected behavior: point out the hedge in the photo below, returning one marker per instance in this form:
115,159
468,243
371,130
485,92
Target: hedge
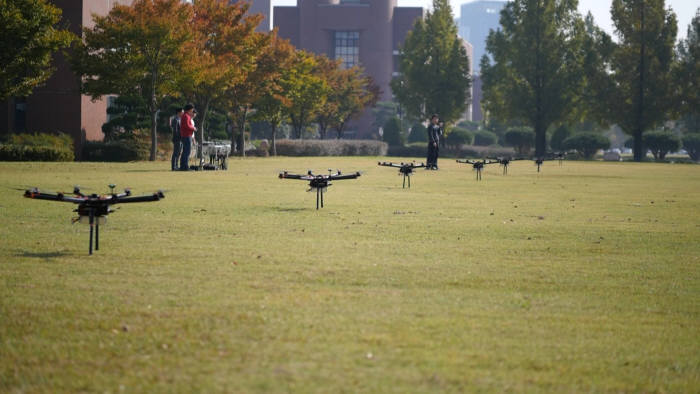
287,147
461,151
13,152
114,151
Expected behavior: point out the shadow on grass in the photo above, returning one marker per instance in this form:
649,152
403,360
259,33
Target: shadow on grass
299,209
43,255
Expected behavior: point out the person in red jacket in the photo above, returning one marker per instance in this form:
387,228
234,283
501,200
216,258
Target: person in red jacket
187,130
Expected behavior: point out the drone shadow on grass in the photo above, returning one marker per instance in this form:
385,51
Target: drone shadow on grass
47,256
280,209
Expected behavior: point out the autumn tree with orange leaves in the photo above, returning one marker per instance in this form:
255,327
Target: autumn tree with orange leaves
272,103
138,49
224,53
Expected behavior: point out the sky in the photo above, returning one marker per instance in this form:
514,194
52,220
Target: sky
684,9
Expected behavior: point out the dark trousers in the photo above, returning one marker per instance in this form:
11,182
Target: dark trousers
177,149
185,158
432,155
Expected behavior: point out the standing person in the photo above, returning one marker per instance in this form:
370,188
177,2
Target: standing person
177,141
433,142
187,129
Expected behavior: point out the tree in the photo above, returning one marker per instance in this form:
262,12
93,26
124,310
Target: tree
241,94
418,133
138,49
226,51
392,132
355,93
536,74
458,136
686,73
484,138
521,139
691,143
560,134
331,72
127,113
306,89
661,142
640,67
434,67
30,38
587,144
272,103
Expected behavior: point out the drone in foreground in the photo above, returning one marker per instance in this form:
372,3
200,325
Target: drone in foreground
405,169
478,165
93,208
319,182
552,156
505,162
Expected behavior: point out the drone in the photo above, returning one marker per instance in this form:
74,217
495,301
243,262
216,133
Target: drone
404,168
505,162
319,182
478,165
93,208
552,156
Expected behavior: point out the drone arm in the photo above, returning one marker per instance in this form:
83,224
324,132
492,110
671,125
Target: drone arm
284,175
341,177
51,197
153,197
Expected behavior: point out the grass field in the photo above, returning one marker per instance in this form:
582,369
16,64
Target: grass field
581,278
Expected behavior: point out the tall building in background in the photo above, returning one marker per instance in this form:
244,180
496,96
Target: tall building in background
260,7
478,17
367,33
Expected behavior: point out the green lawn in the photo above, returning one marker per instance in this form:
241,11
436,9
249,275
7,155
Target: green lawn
581,278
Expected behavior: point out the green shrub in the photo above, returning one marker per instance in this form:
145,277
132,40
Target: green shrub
418,133
114,151
661,142
38,147
331,147
587,144
13,152
459,136
392,132
560,134
522,139
485,138
691,143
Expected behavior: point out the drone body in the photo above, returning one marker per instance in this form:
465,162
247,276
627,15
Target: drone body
319,183
93,208
552,156
477,165
405,169
505,162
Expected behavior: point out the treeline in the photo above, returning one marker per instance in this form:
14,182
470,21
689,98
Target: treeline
547,68
158,54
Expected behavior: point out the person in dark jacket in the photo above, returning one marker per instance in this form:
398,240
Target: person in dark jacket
434,132
177,142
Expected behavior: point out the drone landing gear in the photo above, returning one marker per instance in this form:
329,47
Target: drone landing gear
478,174
404,180
94,224
319,195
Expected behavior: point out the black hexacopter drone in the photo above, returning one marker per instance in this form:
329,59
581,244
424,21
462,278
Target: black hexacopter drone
405,169
505,162
477,165
93,208
551,156
319,182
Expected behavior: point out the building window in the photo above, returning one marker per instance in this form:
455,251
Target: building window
347,47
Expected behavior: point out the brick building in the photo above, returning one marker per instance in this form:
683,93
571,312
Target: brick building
361,32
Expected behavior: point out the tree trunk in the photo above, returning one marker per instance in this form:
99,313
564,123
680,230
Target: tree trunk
241,127
200,148
638,154
274,145
154,134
